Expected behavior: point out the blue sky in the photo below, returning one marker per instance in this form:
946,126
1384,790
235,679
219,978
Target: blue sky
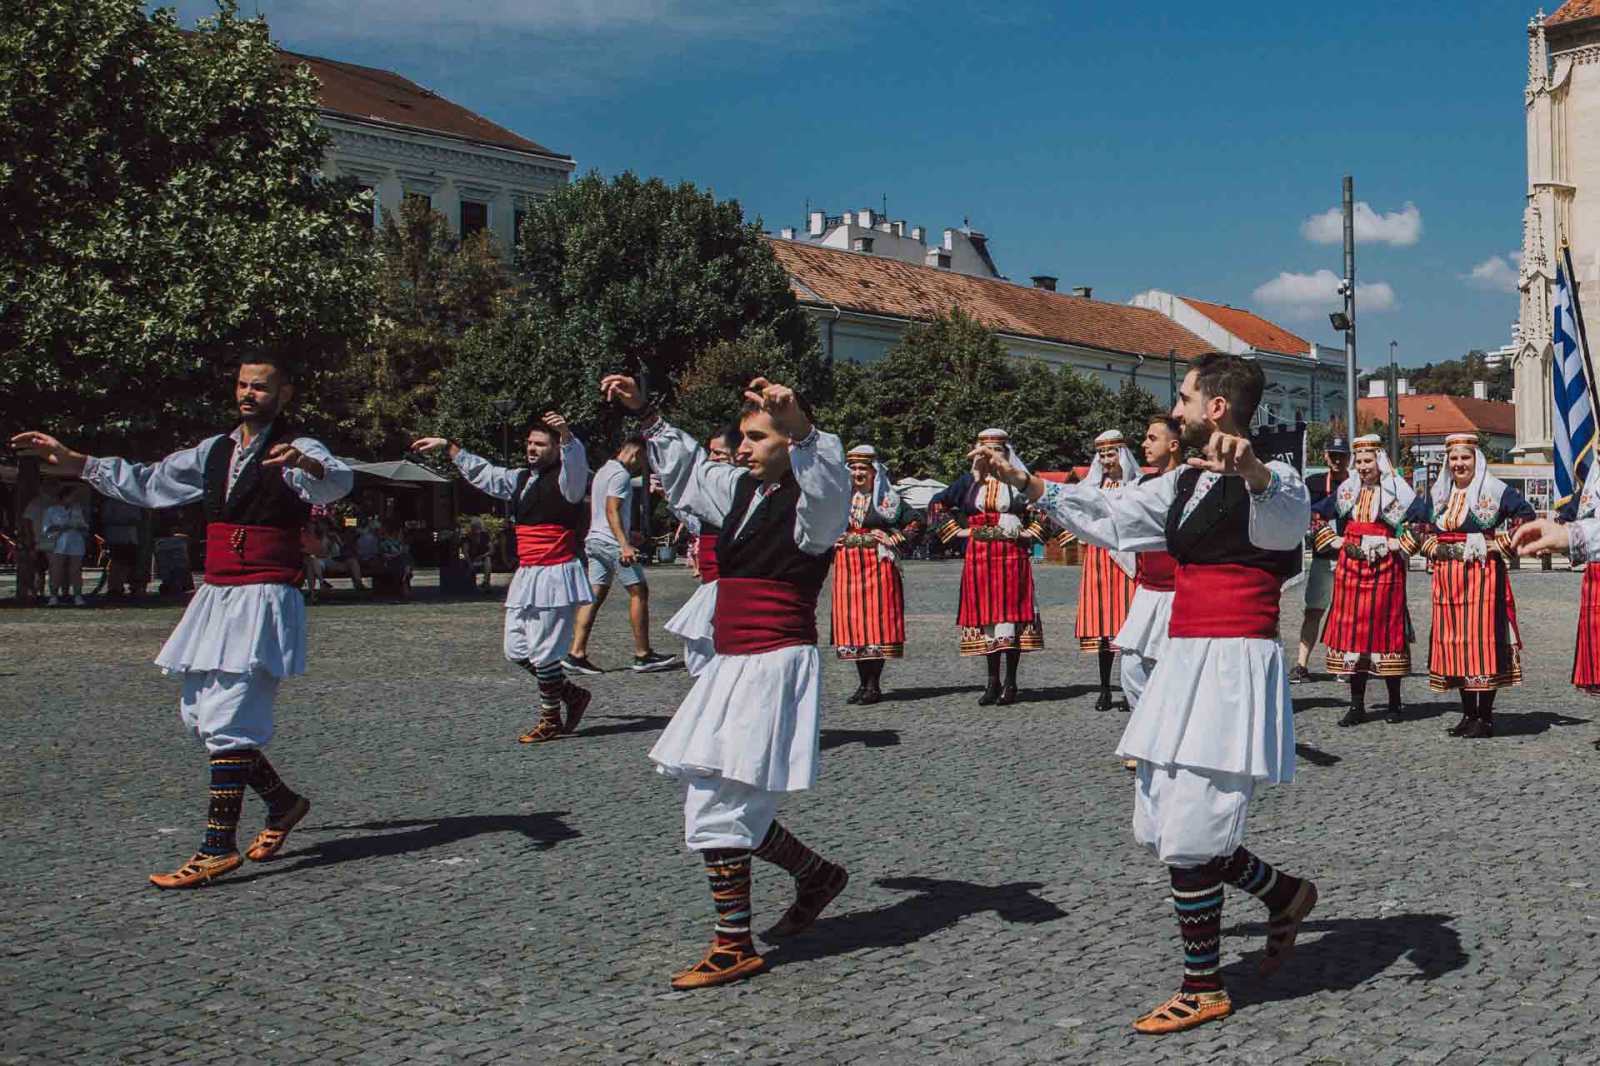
1180,146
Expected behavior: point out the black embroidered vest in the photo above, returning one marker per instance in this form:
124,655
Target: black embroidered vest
1218,530
766,547
545,505
261,496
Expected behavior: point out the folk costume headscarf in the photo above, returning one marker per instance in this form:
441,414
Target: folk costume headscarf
885,500
1394,495
1113,438
1008,522
1483,494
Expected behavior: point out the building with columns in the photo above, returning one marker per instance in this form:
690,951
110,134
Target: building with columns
399,140
1562,102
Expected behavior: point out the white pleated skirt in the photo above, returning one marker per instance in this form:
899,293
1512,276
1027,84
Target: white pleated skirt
1144,631
1216,704
756,719
692,625
541,587
238,629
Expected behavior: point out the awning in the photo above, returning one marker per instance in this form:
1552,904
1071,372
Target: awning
397,470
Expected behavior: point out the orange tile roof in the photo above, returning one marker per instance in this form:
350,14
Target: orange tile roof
1251,328
1574,11
369,94
1434,415
874,285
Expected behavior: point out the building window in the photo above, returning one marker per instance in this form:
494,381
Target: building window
474,217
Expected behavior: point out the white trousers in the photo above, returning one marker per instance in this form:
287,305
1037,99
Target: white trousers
540,634
1135,670
719,812
1189,817
228,711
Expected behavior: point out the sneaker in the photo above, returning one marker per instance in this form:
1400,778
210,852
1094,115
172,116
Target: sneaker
1299,675
79,601
53,601
653,663
579,664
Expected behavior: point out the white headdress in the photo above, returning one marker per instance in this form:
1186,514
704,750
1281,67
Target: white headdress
1112,438
885,500
1394,494
1483,495
1001,436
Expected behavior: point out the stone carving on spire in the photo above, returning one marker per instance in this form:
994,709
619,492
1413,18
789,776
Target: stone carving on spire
1538,57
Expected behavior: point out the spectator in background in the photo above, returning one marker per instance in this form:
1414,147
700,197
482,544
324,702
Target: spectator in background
394,553
480,551
172,562
341,560
119,527
66,530
33,537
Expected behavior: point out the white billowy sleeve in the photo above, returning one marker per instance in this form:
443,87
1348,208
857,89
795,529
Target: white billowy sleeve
335,483
496,481
178,479
693,483
1281,513
1132,519
823,511
574,477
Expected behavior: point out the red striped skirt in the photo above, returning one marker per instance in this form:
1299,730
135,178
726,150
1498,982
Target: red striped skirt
996,584
1474,644
1103,598
1368,615
1586,662
869,606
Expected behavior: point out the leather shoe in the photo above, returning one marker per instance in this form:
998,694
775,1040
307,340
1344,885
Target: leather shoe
1103,703
1354,716
1462,727
991,693
1396,714
855,697
1481,729
1008,696
871,695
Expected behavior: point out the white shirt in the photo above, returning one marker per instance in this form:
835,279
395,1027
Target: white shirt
611,482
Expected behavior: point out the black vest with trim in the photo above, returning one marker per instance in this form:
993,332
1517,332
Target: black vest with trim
1218,530
261,496
766,548
544,505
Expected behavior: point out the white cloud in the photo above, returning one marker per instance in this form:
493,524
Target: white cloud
1306,296
1400,228
1496,273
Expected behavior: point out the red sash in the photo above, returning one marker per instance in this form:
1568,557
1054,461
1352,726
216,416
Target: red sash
708,558
1586,659
1224,600
252,555
754,615
545,544
1156,571
1372,529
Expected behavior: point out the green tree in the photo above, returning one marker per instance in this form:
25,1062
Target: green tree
711,389
631,274
161,214
431,289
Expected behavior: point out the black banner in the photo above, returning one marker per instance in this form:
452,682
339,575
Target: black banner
1282,444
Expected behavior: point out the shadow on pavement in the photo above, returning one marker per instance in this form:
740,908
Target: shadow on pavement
1318,703
626,723
543,830
1348,953
927,692
938,904
1528,725
1316,756
867,738
1056,692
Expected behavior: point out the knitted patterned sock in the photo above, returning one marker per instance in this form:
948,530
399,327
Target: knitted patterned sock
728,870
1197,899
782,848
230,771
1272,887
278,796
552,686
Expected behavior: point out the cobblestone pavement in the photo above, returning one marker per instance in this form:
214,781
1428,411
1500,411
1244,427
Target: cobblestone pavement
455,897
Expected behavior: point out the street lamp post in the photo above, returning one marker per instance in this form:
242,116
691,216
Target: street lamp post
1394,406
503,407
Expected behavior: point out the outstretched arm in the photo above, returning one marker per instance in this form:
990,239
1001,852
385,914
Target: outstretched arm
312,471
823,511
175,480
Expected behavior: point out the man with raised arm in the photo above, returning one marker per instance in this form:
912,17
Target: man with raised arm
245,630
1215,717
547,508
749,730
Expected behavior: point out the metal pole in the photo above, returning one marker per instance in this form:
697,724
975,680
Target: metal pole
1172,377
1394,407
1350,306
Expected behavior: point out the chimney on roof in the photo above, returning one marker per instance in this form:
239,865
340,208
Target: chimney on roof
816,222
787,233
918,233
848,218
1083,290
1044,281
865,217
1480,390
1377,387
862,244
899,228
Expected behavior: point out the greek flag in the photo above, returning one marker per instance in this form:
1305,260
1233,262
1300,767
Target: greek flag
1574,408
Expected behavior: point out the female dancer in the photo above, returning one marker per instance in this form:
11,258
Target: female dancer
869,604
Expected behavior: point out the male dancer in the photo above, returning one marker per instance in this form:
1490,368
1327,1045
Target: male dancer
1216,716
612,557
693,622
1145,630
1319,575
245,630
749,729
549,585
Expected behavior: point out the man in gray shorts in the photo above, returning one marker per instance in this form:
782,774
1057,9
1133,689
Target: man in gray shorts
611,558
1319,576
